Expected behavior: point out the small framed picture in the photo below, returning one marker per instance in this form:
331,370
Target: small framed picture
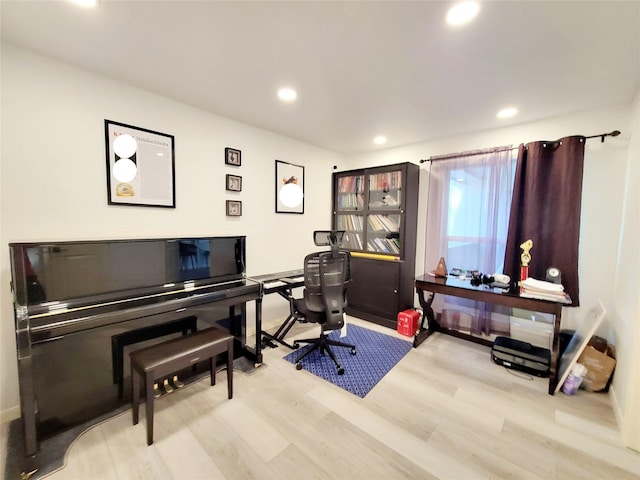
234,183
234,208
232,156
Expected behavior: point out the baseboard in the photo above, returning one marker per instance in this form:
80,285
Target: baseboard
9,414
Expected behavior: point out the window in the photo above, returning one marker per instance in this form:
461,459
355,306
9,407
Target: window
467,224
468,210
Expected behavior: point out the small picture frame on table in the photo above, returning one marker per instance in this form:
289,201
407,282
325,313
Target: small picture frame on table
234,183
232,157
234,208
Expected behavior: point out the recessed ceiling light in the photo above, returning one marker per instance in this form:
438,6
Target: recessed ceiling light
462,13
287,94
380,140
507,112
85,3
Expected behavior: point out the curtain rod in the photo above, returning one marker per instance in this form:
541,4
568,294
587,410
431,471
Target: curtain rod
469,153
601,136
614,133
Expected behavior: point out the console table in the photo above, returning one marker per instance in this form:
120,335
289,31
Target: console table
427,285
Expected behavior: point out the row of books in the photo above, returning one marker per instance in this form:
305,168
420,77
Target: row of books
384,245
351,200
350,222
386,181
380,223
350,184
352,241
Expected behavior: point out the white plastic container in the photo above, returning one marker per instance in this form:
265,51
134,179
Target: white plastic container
573,381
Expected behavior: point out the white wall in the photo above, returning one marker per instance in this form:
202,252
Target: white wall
53,180
626,299
608,258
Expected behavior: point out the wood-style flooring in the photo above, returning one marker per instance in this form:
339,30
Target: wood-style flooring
445,411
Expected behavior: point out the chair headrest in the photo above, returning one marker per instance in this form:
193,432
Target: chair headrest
328,238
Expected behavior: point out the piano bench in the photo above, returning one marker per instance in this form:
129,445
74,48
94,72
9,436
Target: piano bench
118,342
160,360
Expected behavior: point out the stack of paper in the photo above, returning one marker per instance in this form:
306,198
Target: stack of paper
532,288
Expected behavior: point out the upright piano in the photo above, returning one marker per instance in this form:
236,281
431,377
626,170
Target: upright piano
74,300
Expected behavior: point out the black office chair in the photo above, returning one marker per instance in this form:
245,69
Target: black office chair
326,275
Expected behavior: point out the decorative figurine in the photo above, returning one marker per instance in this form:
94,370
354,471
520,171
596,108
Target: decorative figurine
441,269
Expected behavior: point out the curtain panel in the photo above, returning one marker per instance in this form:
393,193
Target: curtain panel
468,215
545,208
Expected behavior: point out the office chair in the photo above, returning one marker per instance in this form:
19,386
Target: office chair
326,275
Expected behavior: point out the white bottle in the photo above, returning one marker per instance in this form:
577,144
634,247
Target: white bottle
573,381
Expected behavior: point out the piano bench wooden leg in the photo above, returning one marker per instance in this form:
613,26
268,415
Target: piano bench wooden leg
149,407
135,394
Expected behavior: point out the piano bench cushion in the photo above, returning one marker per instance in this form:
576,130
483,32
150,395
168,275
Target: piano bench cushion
160,360
131,337
183,350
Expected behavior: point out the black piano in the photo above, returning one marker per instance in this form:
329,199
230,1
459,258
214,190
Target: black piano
80,307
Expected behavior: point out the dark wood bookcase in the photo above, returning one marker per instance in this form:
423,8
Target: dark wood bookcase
378,209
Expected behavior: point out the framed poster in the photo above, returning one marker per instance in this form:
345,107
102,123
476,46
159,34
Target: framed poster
140,166
289,188
233,183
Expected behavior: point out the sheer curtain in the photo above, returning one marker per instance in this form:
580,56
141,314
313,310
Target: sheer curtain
467,223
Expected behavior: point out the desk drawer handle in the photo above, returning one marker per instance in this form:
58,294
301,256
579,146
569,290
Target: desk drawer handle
194,360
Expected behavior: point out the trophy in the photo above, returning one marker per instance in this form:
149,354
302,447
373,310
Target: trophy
525,258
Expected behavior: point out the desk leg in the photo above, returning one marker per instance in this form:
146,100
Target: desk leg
555,351
258,331
427,312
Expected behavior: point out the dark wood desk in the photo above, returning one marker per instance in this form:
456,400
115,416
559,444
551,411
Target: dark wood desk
429,285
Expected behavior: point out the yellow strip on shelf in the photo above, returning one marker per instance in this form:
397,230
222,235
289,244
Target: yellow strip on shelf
376,256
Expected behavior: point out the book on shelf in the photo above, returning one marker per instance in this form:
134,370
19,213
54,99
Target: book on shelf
384,245
386,181
351,184
382,223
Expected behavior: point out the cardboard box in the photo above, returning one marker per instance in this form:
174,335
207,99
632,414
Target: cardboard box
408,322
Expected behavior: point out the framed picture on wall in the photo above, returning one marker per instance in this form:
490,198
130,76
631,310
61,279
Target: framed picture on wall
234,208
289,188
232,156
234,183
140,166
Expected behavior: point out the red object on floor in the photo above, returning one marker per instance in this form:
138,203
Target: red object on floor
408,322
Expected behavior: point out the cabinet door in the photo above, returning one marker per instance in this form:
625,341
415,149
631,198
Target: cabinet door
350,201
374,289
384,220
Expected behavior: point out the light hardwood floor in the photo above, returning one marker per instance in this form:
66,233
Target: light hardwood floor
445,411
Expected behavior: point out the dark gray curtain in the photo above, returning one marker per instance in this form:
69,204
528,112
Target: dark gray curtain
545,207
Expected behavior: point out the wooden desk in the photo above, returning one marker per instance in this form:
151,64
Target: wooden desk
464,289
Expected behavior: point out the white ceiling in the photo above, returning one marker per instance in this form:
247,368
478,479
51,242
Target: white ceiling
360,68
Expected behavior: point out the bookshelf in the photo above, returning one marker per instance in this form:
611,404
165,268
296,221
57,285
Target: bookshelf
377,207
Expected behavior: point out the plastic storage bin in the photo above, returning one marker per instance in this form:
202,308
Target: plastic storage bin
408,322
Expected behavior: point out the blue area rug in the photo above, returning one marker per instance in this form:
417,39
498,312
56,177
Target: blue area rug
376,355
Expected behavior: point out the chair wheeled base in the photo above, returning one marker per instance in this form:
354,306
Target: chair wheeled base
323,343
